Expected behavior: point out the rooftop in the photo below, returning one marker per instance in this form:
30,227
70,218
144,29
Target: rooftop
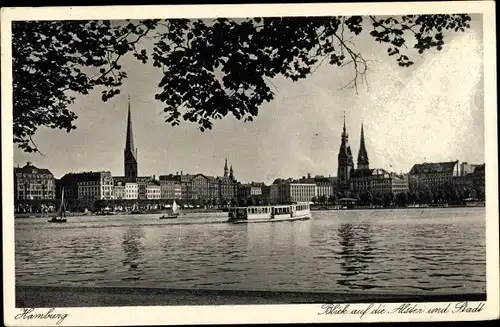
433,167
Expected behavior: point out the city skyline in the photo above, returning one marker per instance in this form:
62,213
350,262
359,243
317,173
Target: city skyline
298,132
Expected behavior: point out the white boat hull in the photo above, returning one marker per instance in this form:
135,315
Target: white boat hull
263,214
270,220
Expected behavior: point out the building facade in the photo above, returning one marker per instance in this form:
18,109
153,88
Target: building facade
228,186
119,190
432,176
284,191
274,195
94,186
33,183
153,190
325,186
301,192
131,191
467,168
170,187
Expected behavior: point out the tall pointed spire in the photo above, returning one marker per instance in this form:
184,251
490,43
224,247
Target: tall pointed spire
129,142
363,162
344,130
225,169
130,153
231,174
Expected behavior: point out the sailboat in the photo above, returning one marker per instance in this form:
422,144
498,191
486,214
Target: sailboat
173,214
60,216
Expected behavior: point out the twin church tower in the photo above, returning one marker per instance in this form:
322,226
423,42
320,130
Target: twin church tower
345,159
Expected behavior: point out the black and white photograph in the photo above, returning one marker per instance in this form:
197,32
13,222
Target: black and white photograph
249,163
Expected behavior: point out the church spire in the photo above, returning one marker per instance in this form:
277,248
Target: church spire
225,168
129,142
363,162
231,174
344,130
130,153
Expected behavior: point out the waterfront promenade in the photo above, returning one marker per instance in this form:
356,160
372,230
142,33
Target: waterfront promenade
40,296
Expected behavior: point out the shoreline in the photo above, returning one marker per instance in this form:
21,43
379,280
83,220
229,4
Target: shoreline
79,296
313,208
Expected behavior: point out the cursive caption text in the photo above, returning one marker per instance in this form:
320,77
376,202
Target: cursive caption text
405,308
32,313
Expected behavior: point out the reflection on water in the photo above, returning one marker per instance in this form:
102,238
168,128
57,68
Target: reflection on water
432,250
132,247
356,253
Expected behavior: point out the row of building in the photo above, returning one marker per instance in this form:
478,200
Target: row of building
425,177
32,183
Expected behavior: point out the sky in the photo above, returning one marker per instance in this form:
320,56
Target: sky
432,111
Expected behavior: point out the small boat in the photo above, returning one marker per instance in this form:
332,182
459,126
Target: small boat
173,214
255,214
60,216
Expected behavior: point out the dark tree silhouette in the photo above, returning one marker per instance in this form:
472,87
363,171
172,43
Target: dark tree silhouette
211,68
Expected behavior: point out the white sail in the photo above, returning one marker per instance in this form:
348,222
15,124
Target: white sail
61,212
63,207
175,207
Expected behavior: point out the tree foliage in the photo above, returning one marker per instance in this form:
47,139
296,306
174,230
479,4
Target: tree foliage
211,68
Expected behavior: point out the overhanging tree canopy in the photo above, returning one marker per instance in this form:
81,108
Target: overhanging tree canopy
210,68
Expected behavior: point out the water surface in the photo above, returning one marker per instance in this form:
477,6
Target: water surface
389,251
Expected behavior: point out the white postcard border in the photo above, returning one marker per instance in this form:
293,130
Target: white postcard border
237,314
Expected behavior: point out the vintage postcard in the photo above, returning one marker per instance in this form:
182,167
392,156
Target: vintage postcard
249,164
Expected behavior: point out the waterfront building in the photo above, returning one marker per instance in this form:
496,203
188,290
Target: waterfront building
463,182
478,179
153,190
186,189
432,176
131,191
33,183
81,190
228,186
119,190
325,186
274,194
249,190
213,189
378,181
68,182
467,168
130,152
300,192
289,190
95,186
170,186
266,193
345,161
204,187
399,184
199,187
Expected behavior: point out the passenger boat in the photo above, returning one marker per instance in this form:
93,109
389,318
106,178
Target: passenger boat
60,216
173,214
255,214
